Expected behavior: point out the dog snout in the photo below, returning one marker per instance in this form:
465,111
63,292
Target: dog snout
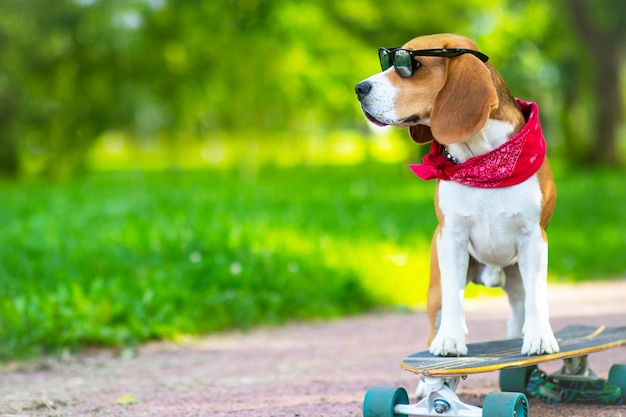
362,89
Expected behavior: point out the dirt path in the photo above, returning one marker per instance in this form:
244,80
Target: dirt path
298,370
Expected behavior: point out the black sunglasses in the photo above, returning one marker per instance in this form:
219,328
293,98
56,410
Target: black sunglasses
404,61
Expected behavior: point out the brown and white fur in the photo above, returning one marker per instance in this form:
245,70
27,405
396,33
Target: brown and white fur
492,236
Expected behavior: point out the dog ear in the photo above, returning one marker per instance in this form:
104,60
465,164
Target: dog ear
462,106
421,133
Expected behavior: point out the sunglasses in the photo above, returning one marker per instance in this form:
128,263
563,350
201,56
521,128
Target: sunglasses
404,61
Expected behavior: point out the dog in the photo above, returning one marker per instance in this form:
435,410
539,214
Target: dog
495,193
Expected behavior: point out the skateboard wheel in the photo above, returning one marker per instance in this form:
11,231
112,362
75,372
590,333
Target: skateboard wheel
380,401
505,404
617,377
516,379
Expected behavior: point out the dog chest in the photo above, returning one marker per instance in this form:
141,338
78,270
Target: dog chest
491,221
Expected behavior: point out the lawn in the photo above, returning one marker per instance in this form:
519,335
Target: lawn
121,258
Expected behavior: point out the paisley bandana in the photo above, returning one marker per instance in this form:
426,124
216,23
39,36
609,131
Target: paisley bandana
512,163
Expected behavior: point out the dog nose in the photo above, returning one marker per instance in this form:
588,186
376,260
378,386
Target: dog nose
362,89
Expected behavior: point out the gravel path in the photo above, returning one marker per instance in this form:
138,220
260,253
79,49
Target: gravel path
319,369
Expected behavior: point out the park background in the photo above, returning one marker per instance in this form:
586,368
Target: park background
173,168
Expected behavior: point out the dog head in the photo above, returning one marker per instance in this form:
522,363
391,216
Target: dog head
447,99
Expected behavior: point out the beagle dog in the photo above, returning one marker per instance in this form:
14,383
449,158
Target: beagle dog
495,193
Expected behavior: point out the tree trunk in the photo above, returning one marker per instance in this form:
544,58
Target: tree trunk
9,150
605,47
9,158
608,107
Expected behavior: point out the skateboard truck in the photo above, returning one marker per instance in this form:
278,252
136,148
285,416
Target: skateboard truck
441,400
576,368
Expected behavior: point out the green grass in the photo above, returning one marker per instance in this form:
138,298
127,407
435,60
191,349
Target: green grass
121,258
588,230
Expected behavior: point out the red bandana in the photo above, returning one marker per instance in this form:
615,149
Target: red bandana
512,163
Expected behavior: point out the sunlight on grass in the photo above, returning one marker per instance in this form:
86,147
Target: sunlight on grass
393,274
396,275
119,151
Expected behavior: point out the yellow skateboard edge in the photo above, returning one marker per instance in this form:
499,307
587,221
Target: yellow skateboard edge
532,360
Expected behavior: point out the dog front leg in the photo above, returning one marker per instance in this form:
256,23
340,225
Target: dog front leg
453,260
533,265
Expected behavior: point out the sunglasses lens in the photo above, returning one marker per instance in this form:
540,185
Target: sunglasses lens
403,63
385,59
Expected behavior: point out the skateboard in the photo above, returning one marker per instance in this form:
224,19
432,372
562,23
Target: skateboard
441,375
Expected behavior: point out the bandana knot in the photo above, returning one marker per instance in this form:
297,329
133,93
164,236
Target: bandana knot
511,163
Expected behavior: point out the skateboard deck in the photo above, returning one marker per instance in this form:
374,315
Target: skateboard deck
574,340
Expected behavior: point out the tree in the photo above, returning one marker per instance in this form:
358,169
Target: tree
62,80
601,26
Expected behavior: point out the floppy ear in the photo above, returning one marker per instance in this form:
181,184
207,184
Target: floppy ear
465,101
421,133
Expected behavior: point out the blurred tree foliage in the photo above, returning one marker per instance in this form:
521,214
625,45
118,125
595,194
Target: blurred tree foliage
71,70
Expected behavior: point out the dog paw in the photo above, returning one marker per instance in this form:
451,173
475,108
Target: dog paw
540,344
448,346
